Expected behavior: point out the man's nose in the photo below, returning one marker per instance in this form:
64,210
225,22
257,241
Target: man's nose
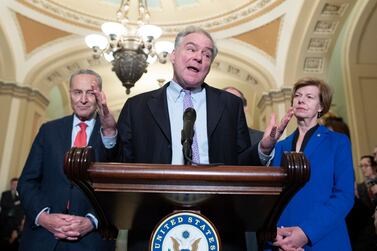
198,56
83,98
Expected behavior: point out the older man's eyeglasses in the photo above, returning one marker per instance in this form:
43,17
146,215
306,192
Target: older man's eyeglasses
80,93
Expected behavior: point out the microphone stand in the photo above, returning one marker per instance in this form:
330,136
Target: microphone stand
187,151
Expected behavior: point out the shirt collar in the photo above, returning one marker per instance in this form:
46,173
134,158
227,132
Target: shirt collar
175,90
77,121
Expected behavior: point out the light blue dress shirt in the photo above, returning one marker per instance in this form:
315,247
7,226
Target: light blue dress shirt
175,96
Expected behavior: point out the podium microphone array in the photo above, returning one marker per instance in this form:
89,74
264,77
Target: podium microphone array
187,137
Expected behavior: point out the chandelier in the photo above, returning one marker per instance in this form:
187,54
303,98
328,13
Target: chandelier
130,46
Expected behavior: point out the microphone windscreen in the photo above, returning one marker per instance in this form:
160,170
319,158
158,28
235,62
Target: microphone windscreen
189,114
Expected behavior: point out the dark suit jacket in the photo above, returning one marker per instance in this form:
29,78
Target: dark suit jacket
255,136
369,202
44,184
145,137
144,129
9,207
11,214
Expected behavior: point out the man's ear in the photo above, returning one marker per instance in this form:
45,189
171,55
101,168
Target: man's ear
172,57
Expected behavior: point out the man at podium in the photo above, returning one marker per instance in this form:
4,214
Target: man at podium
149,129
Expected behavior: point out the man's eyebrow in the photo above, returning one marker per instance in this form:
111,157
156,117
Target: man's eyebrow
196,45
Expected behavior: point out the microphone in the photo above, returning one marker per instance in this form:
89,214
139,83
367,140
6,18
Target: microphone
187,134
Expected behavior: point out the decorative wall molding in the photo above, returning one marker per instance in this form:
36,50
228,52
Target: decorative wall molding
62,74
60,11
235,71
314,64
331,9
275,96
326,27
319,45
65,13
13,90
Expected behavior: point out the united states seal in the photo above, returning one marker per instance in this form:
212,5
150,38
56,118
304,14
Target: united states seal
185,231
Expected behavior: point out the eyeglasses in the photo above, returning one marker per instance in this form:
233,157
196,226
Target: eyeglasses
367,165
77,94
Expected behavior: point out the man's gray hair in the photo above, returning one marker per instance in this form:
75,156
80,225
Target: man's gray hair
195,29
89,72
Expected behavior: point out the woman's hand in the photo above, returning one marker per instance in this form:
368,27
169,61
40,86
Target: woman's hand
274,131
290,238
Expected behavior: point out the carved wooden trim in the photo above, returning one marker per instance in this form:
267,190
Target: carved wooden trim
155,178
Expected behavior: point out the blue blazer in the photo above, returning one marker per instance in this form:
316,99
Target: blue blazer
44,184
320,207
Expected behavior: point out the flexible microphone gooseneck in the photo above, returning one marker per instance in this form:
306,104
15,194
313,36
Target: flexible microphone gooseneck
187,134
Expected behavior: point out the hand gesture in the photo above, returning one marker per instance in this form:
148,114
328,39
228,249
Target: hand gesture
274,131
108,122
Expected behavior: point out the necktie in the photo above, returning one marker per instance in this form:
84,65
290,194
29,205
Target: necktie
187,102
80,140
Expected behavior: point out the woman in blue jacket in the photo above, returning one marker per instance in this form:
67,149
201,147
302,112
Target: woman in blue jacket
314,219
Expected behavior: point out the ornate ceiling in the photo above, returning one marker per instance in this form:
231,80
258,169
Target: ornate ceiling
264,44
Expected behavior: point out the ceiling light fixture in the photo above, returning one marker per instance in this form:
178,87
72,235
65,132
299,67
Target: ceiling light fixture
130,47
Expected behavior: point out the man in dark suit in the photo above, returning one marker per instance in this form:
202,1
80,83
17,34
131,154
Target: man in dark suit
11,216
150,124
255,135
58,214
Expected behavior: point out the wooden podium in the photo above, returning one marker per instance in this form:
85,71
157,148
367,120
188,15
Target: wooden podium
234,198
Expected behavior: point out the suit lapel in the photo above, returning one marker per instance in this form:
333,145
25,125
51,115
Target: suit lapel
214,108
65,133
93,140
63,143
287,144
316,139
158,106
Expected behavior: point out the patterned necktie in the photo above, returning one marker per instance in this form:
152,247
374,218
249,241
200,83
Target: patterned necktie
187,102
80,140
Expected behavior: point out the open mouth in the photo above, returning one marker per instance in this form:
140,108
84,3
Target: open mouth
192,68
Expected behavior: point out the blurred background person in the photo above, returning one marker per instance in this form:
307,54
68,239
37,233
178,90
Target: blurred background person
336,124
255,135
314,219
11,217
367,190
360,221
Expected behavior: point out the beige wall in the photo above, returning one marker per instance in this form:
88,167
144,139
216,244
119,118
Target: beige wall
24,111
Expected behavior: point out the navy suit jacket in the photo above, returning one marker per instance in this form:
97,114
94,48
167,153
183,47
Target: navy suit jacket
144,129
255,136
44,184
321,206
145,137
